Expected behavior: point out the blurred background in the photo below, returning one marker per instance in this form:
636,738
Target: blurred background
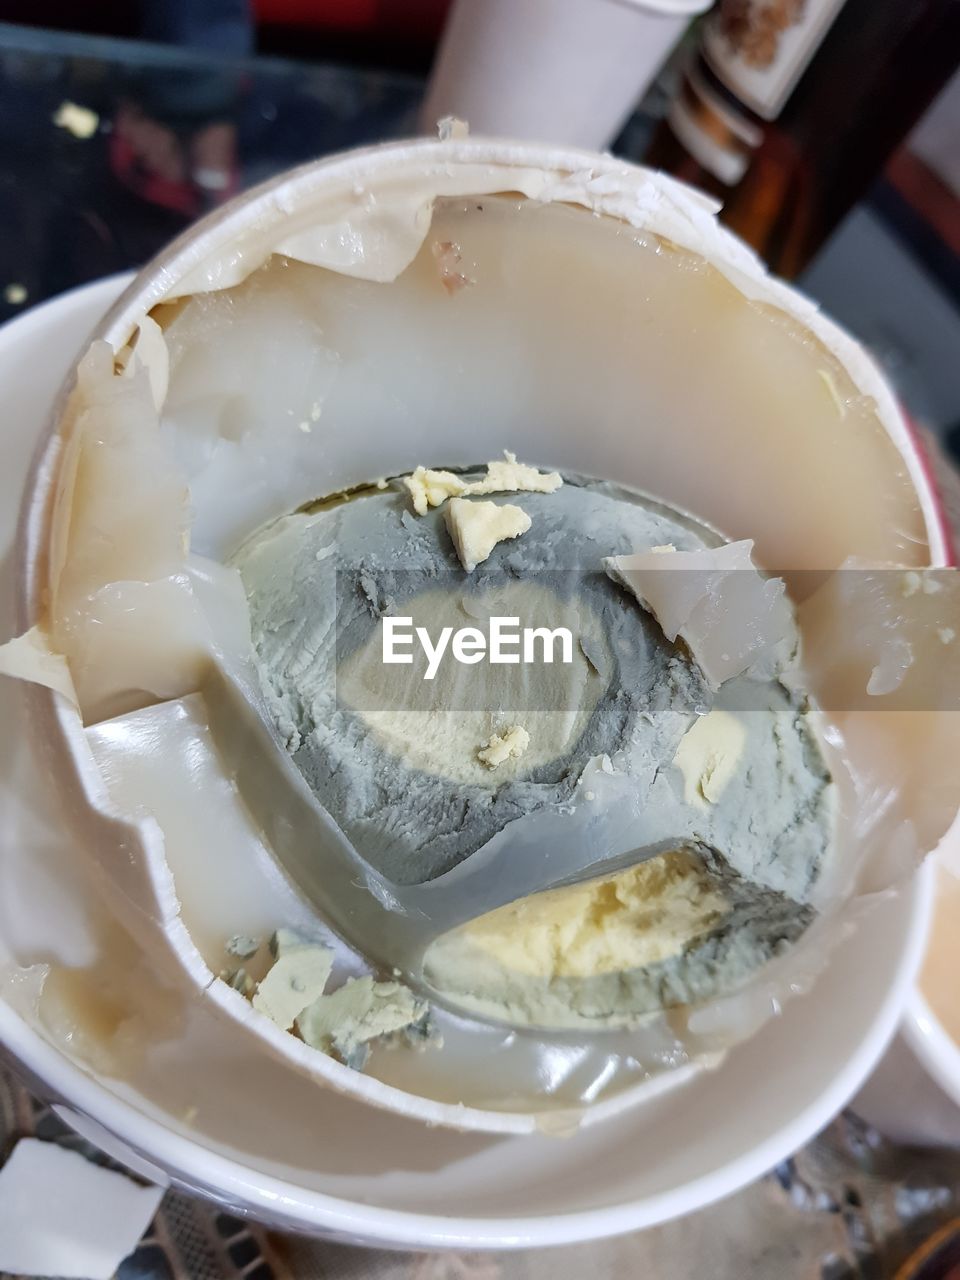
828,129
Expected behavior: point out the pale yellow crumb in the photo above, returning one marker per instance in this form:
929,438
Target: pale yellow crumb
509,745
708,756
511,476
80,121
477,527
431,488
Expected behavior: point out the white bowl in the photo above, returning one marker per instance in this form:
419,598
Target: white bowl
934,1046
914,1093
312,1160
927,1036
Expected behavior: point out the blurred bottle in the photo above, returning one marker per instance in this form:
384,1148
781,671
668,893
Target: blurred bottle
788,110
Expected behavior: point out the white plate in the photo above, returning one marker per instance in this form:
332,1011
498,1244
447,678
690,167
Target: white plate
295,1155
914,1094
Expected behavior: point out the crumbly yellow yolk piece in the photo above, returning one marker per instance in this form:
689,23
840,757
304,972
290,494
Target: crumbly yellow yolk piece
626,921
708,756
511,476
431,488
509,745
477,527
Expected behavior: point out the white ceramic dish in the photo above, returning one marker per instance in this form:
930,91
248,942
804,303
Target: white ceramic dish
935,1048
914,1094
927,1035
328,1164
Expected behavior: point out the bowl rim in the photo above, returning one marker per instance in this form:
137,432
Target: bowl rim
283,1204
932,1043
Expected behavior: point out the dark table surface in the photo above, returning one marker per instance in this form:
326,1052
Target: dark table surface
74,208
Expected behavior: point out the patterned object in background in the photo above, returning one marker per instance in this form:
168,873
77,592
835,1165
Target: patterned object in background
188,1239
753,30
938,1258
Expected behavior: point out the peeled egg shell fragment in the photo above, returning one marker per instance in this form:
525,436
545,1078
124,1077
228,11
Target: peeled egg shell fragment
30,657
134,614
730,617
294,981
135,642
149,352
876,663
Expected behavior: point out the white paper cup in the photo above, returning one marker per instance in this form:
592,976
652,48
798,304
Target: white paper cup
567,71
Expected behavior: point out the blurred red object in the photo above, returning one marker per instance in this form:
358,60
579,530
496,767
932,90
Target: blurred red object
927,193
409,18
